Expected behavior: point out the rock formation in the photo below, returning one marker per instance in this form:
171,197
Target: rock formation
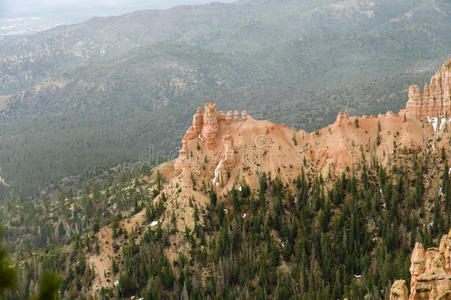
399,291
220,152
236,118
205,133
430,273
222,149
210,125
229,158
417,264
229,118
436,98
198,121
243,115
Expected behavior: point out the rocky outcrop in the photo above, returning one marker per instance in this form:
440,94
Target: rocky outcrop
436,98
229,153
211,131
399,291
210,125
430,273
222,150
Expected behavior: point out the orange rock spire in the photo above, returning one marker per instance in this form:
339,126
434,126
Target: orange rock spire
431,275
436,98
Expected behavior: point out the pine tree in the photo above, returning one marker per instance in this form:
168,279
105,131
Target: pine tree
48,286
8,274
446,189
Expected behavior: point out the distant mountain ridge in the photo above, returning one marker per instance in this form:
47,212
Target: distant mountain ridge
246,26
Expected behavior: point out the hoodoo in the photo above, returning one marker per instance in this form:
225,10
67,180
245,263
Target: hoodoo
436,98
430,273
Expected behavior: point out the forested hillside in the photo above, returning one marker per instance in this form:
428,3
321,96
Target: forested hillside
313,237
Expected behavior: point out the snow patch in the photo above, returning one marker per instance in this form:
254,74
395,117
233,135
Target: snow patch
215,180
437,122
434,122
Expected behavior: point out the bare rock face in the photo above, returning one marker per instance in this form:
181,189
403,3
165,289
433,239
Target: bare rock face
430,273
436,98
229,118
244,115
399,291
445,251
229,153
341,119
198,121
210,128
417,265
236,117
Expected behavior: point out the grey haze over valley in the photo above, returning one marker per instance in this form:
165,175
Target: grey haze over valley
27,17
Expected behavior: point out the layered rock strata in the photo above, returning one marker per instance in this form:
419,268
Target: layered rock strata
435,101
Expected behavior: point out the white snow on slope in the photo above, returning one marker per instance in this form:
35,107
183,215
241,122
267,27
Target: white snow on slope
215,180
437,123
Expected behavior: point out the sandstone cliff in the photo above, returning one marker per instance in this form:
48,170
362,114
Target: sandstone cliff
435,102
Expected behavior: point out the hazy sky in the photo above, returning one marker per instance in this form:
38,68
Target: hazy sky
17,8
